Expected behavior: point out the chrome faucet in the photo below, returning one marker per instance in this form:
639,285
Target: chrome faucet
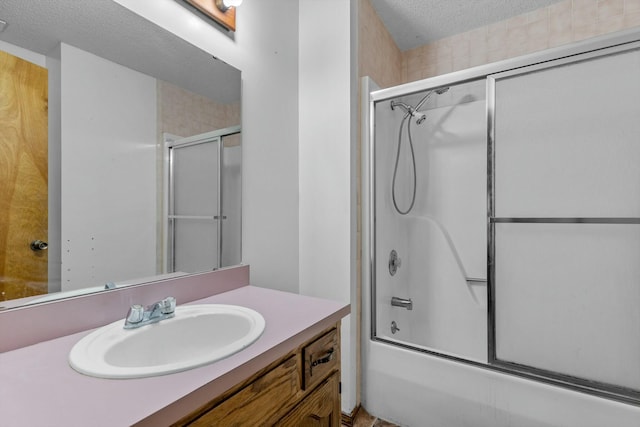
140,316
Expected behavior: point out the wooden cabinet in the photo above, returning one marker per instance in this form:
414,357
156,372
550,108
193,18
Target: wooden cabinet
320,409
300,389
320,358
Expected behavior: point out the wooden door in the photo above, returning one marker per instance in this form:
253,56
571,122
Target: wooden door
23,177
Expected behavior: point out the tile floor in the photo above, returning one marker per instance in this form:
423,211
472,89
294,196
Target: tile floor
364,419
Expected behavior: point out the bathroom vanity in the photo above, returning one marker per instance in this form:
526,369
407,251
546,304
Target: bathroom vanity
291,373
302,385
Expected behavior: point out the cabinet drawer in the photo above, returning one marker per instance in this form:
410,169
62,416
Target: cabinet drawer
255,405
320,358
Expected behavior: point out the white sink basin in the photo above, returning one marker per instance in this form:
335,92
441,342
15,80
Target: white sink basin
196,336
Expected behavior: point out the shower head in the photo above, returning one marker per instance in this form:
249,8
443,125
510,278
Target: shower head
409,111
438,91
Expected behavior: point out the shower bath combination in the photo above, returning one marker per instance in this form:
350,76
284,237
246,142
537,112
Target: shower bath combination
411,113
420,118
508,196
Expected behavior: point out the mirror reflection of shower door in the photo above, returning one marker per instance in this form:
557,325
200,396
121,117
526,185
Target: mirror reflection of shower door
204,201
231,200
194,201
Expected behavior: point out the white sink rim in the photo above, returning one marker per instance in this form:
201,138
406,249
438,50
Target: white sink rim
88,355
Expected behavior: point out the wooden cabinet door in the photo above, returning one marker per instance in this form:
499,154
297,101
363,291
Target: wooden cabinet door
259,403
320,409
23,177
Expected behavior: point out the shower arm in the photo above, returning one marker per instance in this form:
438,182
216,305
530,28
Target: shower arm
428,95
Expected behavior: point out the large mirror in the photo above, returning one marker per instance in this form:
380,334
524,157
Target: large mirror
120,152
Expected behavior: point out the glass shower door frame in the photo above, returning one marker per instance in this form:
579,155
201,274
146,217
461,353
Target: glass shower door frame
558,378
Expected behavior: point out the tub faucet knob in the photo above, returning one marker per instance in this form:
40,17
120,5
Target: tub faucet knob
394,262
394,327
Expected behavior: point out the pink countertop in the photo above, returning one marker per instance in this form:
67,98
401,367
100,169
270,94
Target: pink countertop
39,389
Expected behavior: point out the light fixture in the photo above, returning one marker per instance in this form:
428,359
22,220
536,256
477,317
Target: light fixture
221,11
224,5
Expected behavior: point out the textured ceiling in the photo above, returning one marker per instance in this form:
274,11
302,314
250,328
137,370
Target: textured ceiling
111,31
413,23
105,28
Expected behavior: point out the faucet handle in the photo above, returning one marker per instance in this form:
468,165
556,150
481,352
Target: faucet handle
135,314
168,305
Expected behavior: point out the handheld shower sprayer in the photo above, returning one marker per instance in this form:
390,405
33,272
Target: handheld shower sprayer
409,111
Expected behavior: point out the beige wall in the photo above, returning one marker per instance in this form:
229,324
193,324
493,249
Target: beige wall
562,23
551,26
185,113
378,55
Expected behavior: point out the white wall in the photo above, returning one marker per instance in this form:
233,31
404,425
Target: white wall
327,194
265,48
108,129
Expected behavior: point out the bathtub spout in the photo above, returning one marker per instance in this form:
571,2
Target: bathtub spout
402,302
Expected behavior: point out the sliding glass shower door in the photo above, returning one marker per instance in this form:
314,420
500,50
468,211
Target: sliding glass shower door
430,160
565,220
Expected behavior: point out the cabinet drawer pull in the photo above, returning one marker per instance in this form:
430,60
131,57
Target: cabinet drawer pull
325,359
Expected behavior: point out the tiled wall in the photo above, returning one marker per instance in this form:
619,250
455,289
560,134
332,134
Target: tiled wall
185,113
551,26
378,55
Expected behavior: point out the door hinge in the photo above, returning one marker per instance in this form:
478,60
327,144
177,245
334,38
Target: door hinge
340,387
